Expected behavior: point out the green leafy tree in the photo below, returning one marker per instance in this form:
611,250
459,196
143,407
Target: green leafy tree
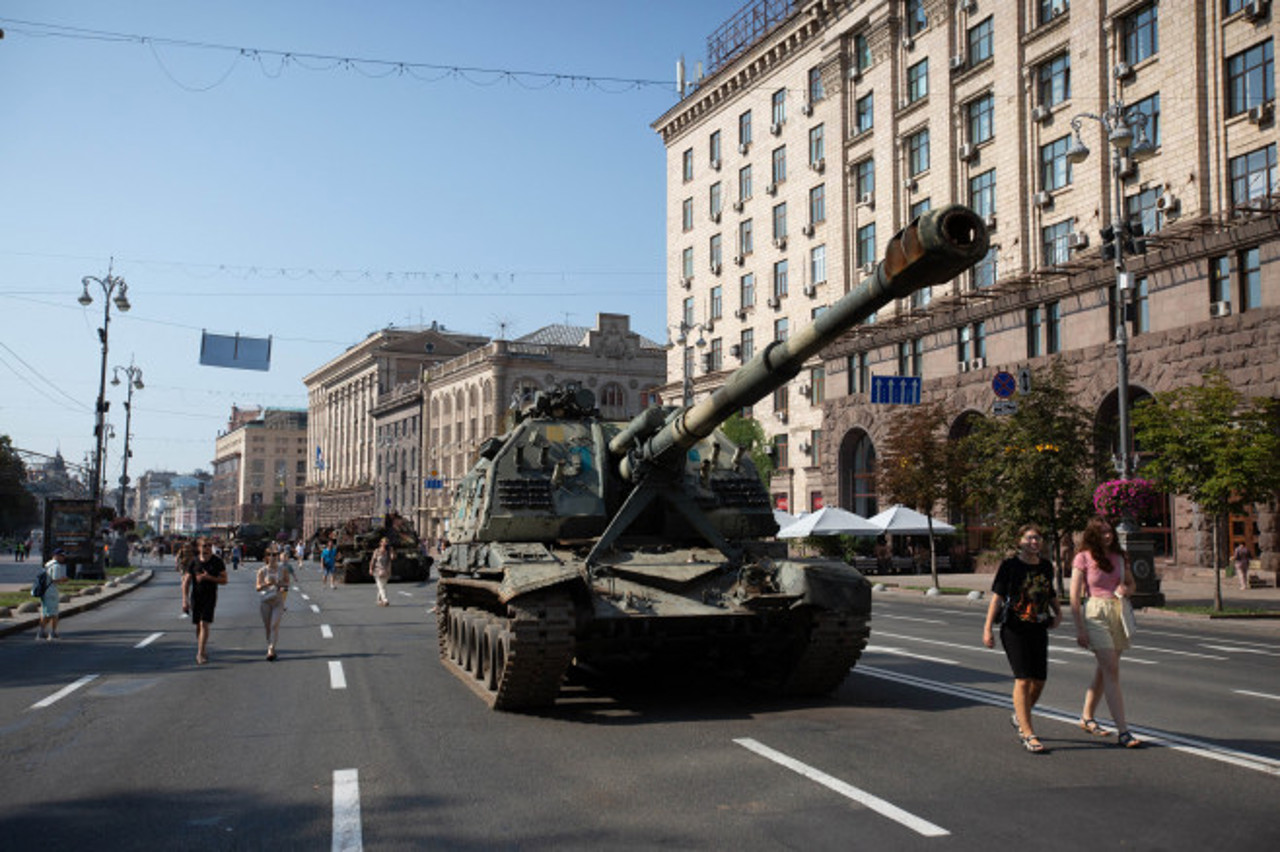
18,507
278,517
747,433
1038,465
1215,446
920,466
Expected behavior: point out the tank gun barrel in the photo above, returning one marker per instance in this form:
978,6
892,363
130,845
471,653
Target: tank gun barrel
933,249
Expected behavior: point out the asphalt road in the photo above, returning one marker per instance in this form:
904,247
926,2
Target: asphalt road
357,737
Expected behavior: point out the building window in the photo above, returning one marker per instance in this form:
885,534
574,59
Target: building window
744,128
778,107
816,92
1253,176
865,177
779,279
818,204
688,165
782,457
1140,209
918,81
1251,78
686,263
746,238
687,310
717,302
815,451
1033,333
920,208
1053,80
686,214
780,221
867,244
980,41
1150,107
1141,306
981,114
980,340
715,355
817,389
1055,168
817,146
904,358
964,344
982,193
918,152
1138,34
1250,261
864,113
1220,279
748,344
818,264
1053,241
744,183
713,146
781,328
1053,328
1050,9
859,373
914,16
779,172
713,199
747,290
861,52
917,356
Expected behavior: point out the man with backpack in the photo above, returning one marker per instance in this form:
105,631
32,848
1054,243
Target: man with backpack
54,574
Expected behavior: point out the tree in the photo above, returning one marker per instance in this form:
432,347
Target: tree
1213,445
1038,465
747,433
18,507
920,466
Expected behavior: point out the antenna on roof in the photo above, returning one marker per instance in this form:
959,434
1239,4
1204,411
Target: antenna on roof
680,76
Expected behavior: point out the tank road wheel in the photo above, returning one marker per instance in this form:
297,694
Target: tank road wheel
455,636
443,612
500,648
467,650
475,634
489,642
834,645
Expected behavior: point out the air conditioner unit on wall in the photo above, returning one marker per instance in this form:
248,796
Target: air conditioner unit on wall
780,243
775,302
1123,71
867,199
776,128
781,415
739,259
771,189
715,269
1126,168
1261,113
737,206
715,217
1042,199
819,165
977,363
740,313
957,62
868,268
1041,113
686,282
990,222
1255,10
962,366
811,290
1219,309
1168,203
806,109
807,230
744,147
715,165
965,152
735,350
1078,240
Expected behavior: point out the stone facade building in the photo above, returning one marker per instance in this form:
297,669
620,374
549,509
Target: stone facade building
467,400
260,461
822,127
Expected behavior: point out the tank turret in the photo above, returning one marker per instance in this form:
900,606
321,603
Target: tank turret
575,537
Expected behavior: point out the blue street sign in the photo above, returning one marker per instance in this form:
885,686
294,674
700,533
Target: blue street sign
1004,384
431,484
895,390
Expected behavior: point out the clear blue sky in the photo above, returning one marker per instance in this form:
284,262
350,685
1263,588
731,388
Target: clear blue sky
246,195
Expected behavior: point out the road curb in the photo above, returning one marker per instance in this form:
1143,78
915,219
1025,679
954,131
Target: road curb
26,620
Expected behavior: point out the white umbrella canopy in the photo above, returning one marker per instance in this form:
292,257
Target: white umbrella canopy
899,520
784,519
829,520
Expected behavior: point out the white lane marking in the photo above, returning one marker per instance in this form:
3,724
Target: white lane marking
184,616
1199,748
315,609
898,652
145,642
975,647
62,693
305,596
337,680
1084,652
406,594
1256,694
347,834
875,803
909,618
1231,649
1179,653
326,632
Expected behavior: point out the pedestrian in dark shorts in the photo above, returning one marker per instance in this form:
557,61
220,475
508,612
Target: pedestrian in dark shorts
1025,582
200,593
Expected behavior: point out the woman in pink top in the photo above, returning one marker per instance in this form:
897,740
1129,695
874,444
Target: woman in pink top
1100,578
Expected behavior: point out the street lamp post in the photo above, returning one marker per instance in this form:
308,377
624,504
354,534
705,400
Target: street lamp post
683,330
1126,133
133,380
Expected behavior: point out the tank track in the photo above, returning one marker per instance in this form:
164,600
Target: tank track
835,644
515,662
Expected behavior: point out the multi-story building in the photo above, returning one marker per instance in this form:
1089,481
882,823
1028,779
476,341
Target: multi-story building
468,399
342,398
260,461
822,127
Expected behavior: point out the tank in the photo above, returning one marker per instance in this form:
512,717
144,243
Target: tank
610,544
253,539
359,538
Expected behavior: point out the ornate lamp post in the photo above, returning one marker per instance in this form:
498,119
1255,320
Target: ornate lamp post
683,330
133,380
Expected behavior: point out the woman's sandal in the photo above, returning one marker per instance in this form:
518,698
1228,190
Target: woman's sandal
1091,726
1033,744
1128,740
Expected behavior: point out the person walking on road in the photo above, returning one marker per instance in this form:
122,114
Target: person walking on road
51,600
1023,593
273,586
329,563
1241,558
235,557
380,568
200,584
1100,580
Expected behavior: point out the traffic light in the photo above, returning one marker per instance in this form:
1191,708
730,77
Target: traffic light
1130,239
1108,235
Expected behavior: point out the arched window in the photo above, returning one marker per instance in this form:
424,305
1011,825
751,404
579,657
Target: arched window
858,473
613,400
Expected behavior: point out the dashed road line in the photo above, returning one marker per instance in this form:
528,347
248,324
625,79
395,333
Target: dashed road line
145,642
62,693
326,632
1256,694
1232,649
347,833
898,652
315,609
862,797
911,618
337,680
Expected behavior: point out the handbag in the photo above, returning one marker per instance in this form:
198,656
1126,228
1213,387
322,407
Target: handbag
270,595
1126,618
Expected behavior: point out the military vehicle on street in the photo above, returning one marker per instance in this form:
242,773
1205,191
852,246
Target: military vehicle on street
357,540
610,543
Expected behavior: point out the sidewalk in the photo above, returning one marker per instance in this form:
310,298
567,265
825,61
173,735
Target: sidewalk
19,621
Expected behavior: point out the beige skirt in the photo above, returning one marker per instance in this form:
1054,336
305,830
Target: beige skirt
1102,621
